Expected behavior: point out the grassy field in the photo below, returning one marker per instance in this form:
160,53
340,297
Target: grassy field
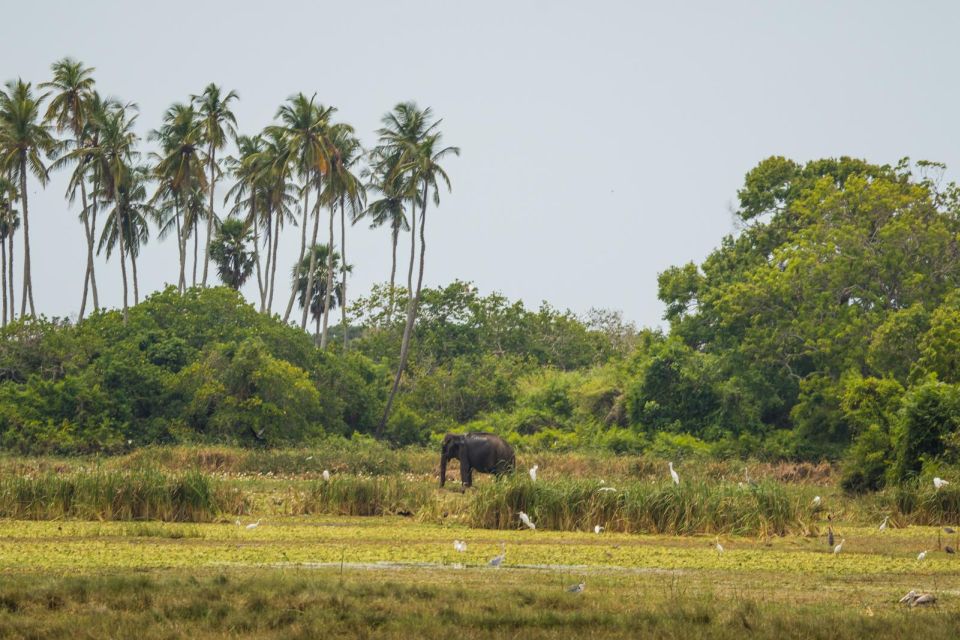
149,546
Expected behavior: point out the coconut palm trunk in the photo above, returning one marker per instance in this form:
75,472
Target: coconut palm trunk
343,273
123,261
136,286
210,216
303,247
394,240
196,247
10,281
27,282
91,250
88,275
273,274
411,315
268,242
3,264
256,248
313,267
328,282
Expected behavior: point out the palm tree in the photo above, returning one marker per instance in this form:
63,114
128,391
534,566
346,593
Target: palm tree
24,140
127,219
216,122
9,222
304,127
179,170
345,188
247,193
319,301
72,87
229,251
414,140
272,167
113,155
388,209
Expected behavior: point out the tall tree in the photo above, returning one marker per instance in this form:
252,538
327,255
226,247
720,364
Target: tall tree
346,189
179,170
304,127
71,89
9,222
128,219
24,142
216,123
413,138
114,154
231,254
388,209
317,302
247,193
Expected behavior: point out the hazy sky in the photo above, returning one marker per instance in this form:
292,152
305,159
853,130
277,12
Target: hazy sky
602,141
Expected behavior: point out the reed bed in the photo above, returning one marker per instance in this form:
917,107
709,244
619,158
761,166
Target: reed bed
691,508
118,495
366,496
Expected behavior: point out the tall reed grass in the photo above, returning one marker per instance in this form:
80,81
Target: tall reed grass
118,495
366,496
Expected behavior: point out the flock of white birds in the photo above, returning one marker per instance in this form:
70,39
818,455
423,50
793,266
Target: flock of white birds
913,599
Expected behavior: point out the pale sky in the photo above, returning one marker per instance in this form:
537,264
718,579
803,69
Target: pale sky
602,142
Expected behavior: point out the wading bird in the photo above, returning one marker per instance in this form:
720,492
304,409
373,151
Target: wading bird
525,519
239,524
459,546
674,475
883,525
839,547
939,483
496,561
533,472
577,588
326,475
816,501
604,489
597,529
922,556
718,547
253,525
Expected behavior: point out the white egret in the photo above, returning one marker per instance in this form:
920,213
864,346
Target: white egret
253,525
718,546
839,547
577,588
605,489
459,546
496,561
525,519
597,529
674,475
326,475
816,501
239,524
533,472
883,525
922,556
309,457
939,483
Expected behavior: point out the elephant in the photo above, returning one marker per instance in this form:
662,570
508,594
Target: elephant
484,452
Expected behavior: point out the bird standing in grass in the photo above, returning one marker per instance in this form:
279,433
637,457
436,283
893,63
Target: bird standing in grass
939,483
525,519
253,525
533,472
922,556
883,525
718,547
326,475
597,529
837,549
674,475
496,561
816,501
459,546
